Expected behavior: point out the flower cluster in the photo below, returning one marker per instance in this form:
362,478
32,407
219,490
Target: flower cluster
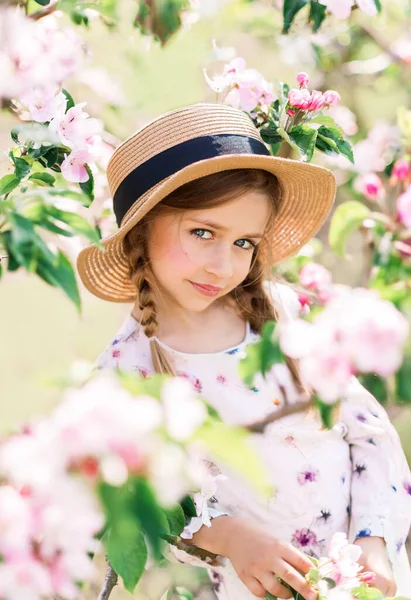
317,278
247,88
49,512
356,332
302,99
35,53
73,128
342,8
337,576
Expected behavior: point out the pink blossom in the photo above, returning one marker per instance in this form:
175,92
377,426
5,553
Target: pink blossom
43,104
331,98
314,275
345,118
328,372
25,578
303,80
35,54
404,208
370,186
75,129
401,171
368,6
317,101
367,577
339,8
299,98
237,65
370,331
73,166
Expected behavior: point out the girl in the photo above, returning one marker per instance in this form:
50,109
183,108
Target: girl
204,212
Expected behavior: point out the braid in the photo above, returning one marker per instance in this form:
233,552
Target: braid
256,307
140,275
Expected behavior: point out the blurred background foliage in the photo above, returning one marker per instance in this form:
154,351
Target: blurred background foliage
129,79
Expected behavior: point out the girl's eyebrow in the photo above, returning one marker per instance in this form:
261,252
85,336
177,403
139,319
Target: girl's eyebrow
222,228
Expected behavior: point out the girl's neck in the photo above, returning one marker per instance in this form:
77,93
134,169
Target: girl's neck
211,330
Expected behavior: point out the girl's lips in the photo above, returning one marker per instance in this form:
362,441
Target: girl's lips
207,290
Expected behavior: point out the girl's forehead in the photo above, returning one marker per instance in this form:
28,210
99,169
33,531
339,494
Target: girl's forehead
253,208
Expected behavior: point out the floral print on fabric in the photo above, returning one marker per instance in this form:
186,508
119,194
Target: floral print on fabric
353,478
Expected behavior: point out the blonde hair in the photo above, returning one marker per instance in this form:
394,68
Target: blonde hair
251,298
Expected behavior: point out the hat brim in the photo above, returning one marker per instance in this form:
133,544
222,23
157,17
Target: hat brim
308,193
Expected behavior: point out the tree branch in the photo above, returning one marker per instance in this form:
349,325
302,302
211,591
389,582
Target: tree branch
110,581
43,12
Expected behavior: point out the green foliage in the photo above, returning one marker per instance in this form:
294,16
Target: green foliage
318,12
261,356
188,506
304,138
326,411
162,18
127,551
88,186
176,519
8,183
332,138
290,9
346,219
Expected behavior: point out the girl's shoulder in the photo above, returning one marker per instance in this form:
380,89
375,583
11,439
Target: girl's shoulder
129,350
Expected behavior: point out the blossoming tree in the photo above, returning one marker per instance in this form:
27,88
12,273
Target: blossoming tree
121,476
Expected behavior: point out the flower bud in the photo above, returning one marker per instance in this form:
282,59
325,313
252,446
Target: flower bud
401,171
404,208
317,101
370,186
331,98
367,577
303,79
299,98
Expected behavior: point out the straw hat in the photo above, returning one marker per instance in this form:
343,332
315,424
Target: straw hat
183,145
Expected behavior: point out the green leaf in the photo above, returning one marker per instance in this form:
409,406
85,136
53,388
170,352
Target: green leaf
88,186
403,380
304,137
50,157
127,551
43,2
151,517
8,183
261,355
326,412
176,519
38,152
14,133
326,145
344,147
22,167
328,122
317,14
69,98
28,247
346,218
61,275
231,445
43,178
379,8
270,134
290,9
184,594
269,596
376,385
167,594
78,224
188,506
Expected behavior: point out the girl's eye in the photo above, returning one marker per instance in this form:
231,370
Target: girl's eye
202,234
246,244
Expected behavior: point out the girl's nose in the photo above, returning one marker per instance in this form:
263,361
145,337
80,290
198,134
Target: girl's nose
220,263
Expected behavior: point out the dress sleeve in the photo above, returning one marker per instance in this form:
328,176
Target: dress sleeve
381,480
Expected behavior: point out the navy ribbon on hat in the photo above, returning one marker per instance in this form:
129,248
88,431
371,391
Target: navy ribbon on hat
172,160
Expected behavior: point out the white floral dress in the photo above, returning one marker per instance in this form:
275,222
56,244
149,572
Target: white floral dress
353,478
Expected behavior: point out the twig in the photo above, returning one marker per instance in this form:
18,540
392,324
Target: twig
43,12
289,409
110,581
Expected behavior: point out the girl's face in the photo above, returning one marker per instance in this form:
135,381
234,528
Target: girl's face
202,255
